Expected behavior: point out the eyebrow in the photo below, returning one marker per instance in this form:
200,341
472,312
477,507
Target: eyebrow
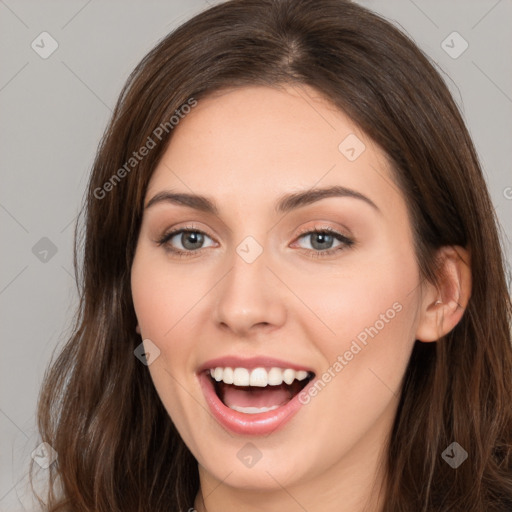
284,204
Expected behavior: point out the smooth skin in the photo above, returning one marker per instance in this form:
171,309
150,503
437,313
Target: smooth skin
245,148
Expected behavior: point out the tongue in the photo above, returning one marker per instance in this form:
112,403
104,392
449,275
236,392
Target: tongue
245,396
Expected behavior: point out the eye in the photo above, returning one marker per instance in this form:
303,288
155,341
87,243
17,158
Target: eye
322,240
191,241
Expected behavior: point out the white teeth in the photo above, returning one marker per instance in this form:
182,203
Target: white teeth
240,376
252,410
258,377
227,375
301,374
289,376
275,377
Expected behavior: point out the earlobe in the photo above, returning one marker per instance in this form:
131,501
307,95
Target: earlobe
443,305
137,329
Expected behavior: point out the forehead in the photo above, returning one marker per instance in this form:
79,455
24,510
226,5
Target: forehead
253,143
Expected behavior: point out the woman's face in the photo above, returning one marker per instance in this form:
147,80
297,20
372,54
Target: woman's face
256,289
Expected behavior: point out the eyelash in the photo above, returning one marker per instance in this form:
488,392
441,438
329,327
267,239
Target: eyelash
346,242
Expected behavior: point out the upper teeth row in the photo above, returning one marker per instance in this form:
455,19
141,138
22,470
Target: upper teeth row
257,377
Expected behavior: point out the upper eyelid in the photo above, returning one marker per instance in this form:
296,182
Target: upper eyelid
173,232
190,202
325,228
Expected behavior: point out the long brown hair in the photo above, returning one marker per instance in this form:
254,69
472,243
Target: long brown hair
118,450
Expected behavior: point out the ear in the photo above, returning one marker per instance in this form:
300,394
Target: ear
137,329
443,304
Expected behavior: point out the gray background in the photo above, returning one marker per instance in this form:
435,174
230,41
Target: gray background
54,112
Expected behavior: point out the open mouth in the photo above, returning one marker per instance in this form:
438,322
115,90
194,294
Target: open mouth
264,390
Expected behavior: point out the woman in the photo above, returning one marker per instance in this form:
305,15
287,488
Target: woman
293,292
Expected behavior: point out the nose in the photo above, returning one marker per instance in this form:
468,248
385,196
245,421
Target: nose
250,298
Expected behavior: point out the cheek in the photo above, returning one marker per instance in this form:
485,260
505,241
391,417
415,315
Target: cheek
161,301
359,294
366,355
161,296
366,316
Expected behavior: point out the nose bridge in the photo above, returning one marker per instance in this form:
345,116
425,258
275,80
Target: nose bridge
247,295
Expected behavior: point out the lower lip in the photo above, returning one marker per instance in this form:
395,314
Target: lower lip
248,424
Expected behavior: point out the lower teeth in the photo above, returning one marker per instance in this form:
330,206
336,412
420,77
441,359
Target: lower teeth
252,410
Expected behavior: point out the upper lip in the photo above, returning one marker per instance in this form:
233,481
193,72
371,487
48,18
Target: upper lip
250,363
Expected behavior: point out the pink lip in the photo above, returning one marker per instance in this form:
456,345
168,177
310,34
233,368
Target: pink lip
250,363
248,424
